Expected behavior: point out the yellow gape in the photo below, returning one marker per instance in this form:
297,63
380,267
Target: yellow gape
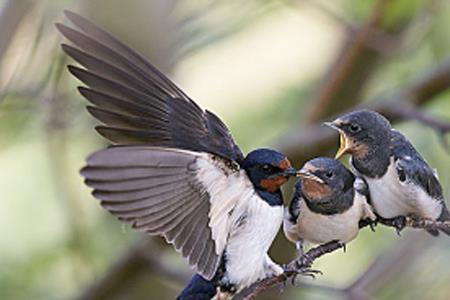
345,145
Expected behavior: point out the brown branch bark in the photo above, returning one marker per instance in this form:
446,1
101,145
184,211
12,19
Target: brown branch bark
418,223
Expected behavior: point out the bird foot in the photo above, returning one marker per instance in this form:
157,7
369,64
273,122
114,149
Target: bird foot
301,271
302,266
399,223
368,222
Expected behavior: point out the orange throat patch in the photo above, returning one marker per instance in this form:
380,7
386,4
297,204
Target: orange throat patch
272,185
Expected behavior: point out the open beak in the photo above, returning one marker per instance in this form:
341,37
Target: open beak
345,143
306,174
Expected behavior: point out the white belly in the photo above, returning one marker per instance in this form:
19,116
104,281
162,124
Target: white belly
319,228
391,198
246,252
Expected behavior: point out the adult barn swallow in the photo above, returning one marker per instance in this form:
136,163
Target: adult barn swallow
401,183
328,205
174,170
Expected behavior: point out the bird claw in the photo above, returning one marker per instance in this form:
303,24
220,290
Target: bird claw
302,266
410,220
372,226
400,223
283,286
305,272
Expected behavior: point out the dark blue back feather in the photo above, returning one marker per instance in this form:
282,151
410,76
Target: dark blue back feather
198,289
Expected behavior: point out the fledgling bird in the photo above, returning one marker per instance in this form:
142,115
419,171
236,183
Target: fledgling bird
401,183
174,170
328,205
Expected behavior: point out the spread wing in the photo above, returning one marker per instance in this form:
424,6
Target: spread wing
136,103
190,198
411,167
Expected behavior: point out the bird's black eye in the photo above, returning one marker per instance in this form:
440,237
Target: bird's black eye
354,128
329,174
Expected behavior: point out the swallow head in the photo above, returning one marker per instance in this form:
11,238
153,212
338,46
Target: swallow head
323,181
268,169
360,132
323,176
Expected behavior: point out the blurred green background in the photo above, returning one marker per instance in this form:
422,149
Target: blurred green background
273,70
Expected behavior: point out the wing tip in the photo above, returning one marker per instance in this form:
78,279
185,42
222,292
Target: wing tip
68,49
61,27
76,71
74,17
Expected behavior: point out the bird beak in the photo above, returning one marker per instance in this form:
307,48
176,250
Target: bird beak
306,174
331,125
345,143
289,172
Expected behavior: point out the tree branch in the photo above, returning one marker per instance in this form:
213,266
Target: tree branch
418,223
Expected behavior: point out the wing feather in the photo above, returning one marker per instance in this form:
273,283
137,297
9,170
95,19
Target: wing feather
188,197
132,195
136,103
135,184
126,121
150,211
120,104
139,207
112,174
128,55
411,166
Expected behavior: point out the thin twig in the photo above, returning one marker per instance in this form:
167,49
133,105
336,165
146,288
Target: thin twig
418,223
428,224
